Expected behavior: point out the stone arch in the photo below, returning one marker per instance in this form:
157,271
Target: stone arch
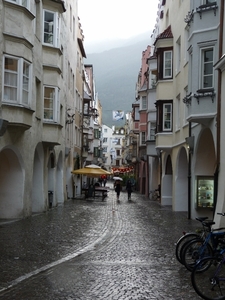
181,182
12,178
38,203
167,181
205,153
51,178
59,179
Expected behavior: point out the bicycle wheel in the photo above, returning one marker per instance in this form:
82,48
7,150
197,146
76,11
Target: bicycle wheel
182,241
152,195
209,284
194,251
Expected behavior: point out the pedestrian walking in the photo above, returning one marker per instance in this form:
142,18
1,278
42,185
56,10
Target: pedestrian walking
129,189
117,186
104,181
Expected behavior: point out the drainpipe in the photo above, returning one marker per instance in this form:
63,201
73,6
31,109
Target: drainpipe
216,174
189,177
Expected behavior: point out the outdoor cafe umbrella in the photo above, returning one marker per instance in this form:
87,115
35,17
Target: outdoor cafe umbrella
91,171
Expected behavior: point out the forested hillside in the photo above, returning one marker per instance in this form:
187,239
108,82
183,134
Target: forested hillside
115,73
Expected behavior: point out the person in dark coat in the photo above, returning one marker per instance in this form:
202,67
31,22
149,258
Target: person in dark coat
129,189
117,189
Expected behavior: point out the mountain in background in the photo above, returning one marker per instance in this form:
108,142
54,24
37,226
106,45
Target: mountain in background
115,73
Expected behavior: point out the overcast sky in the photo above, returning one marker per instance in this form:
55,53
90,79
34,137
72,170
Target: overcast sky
115,19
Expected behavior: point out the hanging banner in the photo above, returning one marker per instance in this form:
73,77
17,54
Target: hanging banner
118,115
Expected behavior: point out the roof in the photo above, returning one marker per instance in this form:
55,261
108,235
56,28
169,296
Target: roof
86,96
166,34
80,43
61,2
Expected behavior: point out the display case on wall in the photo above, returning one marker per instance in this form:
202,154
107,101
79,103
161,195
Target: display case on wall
205,191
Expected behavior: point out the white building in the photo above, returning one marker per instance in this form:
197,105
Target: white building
37,101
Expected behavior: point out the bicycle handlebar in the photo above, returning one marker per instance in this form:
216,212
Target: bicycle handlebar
222,214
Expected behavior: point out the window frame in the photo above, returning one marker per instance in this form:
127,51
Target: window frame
208,2
170,120
203,64
96,134
164,64
136,113
20,2
143,138
144,103
96,152
55,105
19,81
55,31
152,129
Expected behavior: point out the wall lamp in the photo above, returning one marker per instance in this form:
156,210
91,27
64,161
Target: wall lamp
190,143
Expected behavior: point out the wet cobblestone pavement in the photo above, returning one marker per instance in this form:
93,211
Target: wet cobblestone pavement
87,250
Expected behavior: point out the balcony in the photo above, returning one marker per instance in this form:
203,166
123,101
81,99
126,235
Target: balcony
201,106
150,149
164,140
17,116
52,134
136,127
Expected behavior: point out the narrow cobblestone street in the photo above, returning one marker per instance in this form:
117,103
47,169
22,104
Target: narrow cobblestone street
93,249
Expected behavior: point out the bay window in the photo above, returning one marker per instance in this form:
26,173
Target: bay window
16,80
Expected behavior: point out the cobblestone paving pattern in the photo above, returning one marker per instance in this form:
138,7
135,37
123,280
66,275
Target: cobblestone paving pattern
131,254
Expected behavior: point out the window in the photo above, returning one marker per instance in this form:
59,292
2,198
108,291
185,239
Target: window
167,117
209,1
136,114
24,3
17,80
165,63
167,66
105,140
96,152
51,104
152,131
51,28
144,102
97,134
207,68
105,130
104,149
178,55
177,107
153,79
143,138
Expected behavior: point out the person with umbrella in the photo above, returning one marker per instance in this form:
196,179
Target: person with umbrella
117,186
129,189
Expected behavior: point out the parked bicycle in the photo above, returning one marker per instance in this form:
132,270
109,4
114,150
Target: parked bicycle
208,277
197,249
189,236
153,195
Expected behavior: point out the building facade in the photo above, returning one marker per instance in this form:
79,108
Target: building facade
40,104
